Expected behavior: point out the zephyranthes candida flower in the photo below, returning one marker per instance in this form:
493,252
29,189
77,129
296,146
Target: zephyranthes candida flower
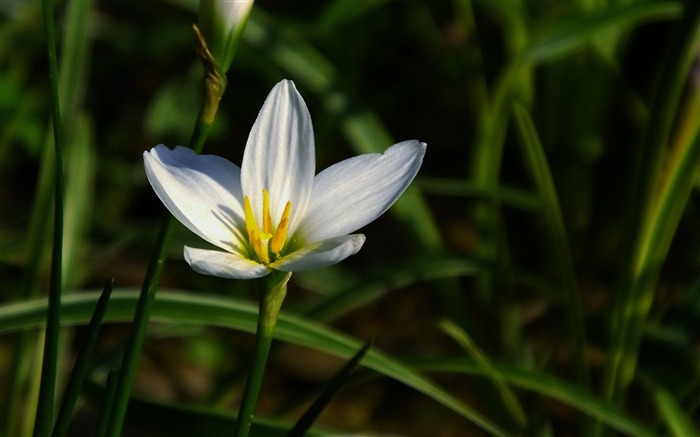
274,212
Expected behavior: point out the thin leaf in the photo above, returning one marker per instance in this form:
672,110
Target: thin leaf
537,165
510,400
658,205
679,423
200,309
47,389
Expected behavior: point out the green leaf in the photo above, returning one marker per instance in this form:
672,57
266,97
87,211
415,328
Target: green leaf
183,308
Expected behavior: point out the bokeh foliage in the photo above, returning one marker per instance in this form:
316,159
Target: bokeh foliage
539,278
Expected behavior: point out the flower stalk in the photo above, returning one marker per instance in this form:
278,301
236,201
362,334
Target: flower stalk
214,84
270,304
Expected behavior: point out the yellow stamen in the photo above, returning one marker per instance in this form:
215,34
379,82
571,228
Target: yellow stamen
280,237
250,224
267,219
258,239
262,241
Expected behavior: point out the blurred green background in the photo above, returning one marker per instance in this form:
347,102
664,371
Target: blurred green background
562,161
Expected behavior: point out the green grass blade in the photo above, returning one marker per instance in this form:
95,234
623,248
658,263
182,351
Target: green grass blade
568,35
107,403
537,165
77,375
376,284
678,421
47,390
303,425
199,309
174,420
551,387
510,400
659,202
507,196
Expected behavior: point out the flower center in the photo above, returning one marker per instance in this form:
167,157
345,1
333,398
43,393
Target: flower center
265,239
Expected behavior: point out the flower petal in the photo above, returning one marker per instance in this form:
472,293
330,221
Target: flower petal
223,264
354,192
202,191
321,254
280,156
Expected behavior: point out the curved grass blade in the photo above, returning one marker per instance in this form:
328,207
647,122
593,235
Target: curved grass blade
198,309
510,400
551,387
381,282
537,165
568,35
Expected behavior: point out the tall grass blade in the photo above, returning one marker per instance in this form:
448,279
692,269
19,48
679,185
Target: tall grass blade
82,360
44,417
537,165
510,400
658,204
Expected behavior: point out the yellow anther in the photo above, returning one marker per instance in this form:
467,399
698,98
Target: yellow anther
250,224
262,241
280,237
267,219
258,239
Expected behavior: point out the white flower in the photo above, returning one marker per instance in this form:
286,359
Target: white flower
221,23
274,213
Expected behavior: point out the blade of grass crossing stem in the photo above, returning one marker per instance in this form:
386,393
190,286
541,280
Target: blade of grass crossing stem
335,384
77,375
510,400
654,220
552,387
47,390
538,168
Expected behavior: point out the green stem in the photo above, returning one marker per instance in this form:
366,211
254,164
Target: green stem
270,304
127,372
214,84
47,391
